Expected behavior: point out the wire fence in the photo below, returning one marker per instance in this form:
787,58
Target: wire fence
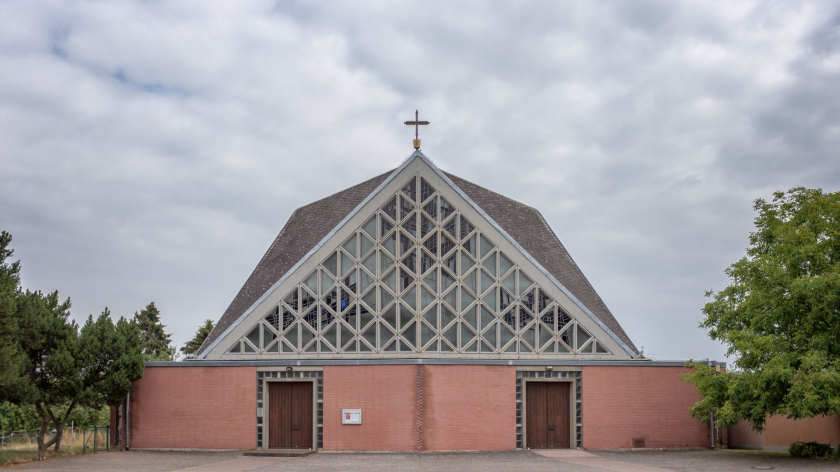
19,446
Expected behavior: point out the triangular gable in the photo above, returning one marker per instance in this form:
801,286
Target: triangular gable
412,272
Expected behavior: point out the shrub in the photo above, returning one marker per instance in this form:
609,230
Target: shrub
810,449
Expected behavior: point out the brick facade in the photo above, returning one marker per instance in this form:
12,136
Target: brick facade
622,403
194,407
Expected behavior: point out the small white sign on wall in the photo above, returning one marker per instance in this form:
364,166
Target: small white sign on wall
351,416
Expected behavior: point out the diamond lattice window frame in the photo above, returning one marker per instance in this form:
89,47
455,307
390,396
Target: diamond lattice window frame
522,324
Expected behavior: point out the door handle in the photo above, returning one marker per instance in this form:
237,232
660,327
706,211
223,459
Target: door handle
297,427
551,427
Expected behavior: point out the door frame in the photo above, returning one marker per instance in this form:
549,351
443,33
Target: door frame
572,408
267,406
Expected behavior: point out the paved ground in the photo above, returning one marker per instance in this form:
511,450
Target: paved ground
619,461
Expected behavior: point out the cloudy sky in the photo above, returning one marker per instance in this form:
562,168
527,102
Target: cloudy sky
153,150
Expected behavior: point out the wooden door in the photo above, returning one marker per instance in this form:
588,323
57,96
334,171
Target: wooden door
290,415
548,413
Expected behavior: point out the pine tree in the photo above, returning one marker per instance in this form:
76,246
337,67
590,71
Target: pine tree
157,346
192,346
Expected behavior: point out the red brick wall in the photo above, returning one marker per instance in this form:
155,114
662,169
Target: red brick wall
469,407
621,403
195,407
387,395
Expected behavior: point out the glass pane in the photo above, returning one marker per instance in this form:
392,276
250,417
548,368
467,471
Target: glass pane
365,315
524,318
505,299
313,347
346,335
370,263
326,282
599,349
548,319
470,280
346,300
451,263
489,335
446,209
350,280
410,261
561,348
406,244
472,347
406,206
446,316
365,281
486,246
544,301
426,298
426,190
332,264
467,334
312,318
385,334
385,297
292,336
504,263
426,335
490,265
254,336
405,279
370,335
370,228
385,225
346,264
562,319
486,281
410,334
431,208
426,226
288,318
471,317
450,299
505,335
326,318
390,244
268,336
466,262
431,317
466,229
390,316
470,246
391,281
524,282
509,282
451,335
566,337
306,335
446,245
350,246
582,337
292,299
247,348
510,318
390,208
431,280
410,189
446,280
530,335
237,348
523,347
529,300
490,299
426,262
487,317
410,226
445,347
466,299
410,298
451,227
546,335
366,245
273,317
431,244
312,282
364,347
391,347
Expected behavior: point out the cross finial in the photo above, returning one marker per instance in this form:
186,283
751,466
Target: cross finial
416,124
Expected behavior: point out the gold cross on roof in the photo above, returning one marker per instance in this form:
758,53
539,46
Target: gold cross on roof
416,123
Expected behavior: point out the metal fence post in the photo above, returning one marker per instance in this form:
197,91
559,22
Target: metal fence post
94,438
108,438
84,440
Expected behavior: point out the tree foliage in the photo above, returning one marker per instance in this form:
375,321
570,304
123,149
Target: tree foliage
192,346
59,366
157,346
11,359
779,317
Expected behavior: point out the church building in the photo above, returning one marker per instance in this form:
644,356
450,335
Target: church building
415,311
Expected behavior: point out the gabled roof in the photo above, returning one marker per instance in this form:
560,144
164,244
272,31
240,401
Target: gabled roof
310,224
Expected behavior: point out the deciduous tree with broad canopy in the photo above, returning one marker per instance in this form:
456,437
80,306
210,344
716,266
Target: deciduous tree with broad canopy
780,317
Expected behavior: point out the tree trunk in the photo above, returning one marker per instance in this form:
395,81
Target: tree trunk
47,416
45,424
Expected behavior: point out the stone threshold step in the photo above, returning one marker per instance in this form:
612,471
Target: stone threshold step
280,453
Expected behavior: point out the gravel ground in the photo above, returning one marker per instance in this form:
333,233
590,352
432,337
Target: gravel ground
483,462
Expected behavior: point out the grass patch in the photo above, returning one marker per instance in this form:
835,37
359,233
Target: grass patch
759,452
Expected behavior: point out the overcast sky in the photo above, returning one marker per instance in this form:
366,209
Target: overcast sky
151,151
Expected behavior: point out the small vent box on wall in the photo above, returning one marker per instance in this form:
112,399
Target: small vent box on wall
638,443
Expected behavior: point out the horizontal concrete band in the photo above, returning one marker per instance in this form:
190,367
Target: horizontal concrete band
426,361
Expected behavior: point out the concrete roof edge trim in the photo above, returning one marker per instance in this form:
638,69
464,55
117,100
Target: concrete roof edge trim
308,255
528,256
425,361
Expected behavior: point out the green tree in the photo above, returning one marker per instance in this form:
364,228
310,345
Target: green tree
779,317
157,346
12,377
191,347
